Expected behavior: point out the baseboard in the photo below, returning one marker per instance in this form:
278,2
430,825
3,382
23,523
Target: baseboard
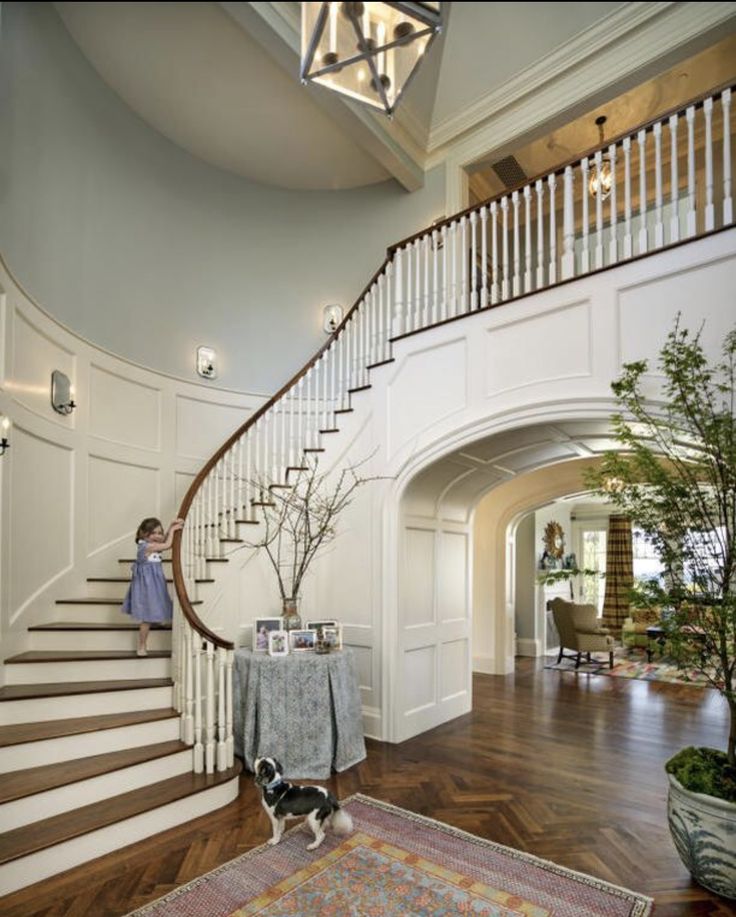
526,646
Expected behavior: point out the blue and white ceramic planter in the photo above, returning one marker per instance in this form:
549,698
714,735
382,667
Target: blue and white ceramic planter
703,829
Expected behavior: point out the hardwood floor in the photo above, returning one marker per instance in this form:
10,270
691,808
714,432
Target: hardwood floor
566,767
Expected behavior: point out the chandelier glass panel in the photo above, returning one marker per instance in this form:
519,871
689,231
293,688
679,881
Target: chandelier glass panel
368,51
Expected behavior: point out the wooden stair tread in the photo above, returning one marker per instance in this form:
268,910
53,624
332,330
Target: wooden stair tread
48,832
102,601
20,733
32,780
360,388
126,579
81,655
132,560
94,625
60,689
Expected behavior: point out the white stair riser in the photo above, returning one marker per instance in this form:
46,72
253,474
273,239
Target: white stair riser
68,748
65,798
31,673
20,873
91,614
66,706
96,640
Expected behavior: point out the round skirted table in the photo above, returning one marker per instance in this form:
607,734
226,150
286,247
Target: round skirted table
303,709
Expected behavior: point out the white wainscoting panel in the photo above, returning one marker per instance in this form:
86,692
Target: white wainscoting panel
120,496
34,356
420,683
454,675
40,492
556,345
429,385
453,577
363,656
418,605
124,411
199,421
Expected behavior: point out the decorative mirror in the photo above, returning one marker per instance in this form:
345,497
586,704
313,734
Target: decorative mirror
554,540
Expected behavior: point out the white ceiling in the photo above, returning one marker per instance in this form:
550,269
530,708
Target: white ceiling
217,81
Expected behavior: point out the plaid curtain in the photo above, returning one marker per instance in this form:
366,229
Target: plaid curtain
619,573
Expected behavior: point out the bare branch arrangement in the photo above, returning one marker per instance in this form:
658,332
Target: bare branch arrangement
299,519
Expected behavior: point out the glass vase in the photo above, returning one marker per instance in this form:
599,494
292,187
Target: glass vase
290,615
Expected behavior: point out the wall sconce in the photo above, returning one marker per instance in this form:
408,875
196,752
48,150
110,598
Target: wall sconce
331,318
207,362
62,393
4,428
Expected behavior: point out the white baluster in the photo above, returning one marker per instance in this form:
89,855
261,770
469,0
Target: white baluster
221,723
484,257
568,226
240,495
505,265
387,287
585,249
628,241
198,756
516,281
674,183
474,260
658,214
435,278
552,182
445,275
464,264
691,212
418,283
598,250
275,408
727,194
494,253
540,233
710,213
453,257
427,249
613,242
409,326
209,739
527,238
398,323
641,139
187,726
229,740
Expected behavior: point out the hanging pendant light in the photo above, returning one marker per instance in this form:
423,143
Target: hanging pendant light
368,51
601,181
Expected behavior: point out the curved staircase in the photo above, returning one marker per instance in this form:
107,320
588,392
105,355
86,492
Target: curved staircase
91,757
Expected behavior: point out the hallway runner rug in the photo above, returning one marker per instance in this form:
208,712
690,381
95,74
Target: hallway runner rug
394,864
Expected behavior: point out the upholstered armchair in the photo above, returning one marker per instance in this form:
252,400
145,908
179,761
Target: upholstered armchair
580,631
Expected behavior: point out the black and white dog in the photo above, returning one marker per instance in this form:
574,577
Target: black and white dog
283,800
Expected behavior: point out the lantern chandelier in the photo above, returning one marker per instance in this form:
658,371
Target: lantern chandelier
368,51
601,182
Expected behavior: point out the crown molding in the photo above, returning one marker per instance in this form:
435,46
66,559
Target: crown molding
596,57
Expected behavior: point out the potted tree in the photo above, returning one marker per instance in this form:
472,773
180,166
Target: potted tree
675,476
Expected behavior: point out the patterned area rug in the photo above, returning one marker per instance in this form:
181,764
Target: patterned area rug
632,664
395,864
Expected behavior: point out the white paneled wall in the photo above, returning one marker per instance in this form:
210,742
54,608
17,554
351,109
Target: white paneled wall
74,488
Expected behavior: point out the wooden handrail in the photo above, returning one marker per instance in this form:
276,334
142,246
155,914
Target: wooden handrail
679,110
178,573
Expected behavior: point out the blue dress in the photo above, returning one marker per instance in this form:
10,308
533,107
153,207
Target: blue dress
147,599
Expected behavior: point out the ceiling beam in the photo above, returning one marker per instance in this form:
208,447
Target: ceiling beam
277,28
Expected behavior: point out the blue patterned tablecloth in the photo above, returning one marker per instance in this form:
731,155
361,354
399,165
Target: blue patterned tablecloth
303,709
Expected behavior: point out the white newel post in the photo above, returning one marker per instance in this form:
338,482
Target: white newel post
209,747
221,721
198,757
229,739
568,227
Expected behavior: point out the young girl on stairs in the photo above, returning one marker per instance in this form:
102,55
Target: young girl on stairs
147,599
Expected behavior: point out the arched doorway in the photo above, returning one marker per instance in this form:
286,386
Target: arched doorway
456,532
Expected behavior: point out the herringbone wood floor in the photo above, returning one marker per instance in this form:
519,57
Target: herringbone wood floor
566,767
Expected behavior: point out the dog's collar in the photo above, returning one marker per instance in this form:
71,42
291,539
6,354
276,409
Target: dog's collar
274,783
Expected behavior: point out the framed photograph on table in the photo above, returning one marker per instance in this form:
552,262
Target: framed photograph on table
262,627
278,643
302,641
315,625
332,637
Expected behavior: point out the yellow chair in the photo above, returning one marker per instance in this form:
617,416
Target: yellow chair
634,629
580,631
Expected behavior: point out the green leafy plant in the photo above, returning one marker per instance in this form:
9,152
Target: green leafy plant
675,477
